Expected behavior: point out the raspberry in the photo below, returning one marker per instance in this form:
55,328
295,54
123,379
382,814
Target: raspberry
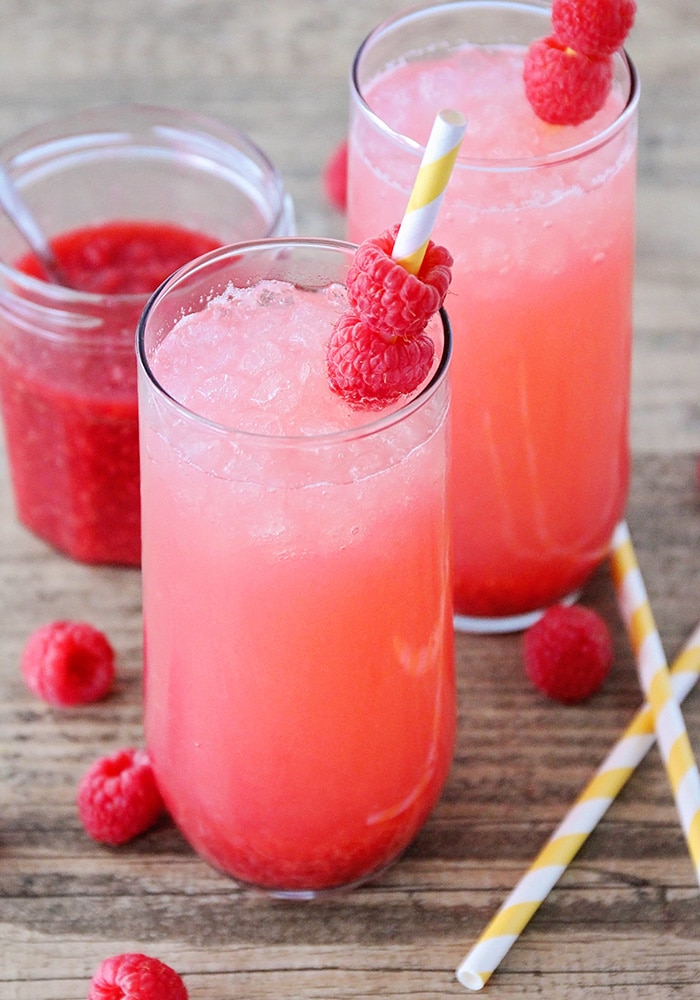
132,976
368,370
68,663
386,296
568,653
118,797
593,27
335,177
565,87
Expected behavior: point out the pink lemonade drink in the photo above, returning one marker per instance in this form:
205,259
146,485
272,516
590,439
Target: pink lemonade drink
540,221
299,689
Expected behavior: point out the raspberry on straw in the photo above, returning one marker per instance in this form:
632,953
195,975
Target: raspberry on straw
378,351
118,797
369,370
68,663
569,74
391,299
565,87
593,27
132,976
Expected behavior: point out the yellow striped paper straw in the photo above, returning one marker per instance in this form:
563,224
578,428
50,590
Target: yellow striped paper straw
428,189
563,845
674,745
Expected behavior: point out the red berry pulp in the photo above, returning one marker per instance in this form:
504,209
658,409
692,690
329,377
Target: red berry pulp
70,409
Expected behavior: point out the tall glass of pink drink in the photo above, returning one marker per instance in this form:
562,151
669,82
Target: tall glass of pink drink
540,221
299,690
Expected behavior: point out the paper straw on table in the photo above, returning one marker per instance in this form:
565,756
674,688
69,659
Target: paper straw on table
563,845
674,745
429,187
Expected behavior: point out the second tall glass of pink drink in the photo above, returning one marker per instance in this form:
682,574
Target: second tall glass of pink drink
540,221
299,688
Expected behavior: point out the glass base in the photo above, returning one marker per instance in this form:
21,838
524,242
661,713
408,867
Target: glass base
508,623
306,895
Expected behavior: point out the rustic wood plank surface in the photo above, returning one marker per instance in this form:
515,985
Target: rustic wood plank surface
624,920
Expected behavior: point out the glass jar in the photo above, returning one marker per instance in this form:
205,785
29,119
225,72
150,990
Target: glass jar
164,182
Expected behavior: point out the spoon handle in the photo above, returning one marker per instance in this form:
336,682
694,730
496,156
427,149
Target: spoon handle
19,214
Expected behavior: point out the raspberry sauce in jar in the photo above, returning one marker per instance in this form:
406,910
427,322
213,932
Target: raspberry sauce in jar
125,195
69,403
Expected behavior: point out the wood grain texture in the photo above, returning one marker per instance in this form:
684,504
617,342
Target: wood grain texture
624,922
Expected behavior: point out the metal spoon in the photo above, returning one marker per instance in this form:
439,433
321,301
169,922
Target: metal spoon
21,217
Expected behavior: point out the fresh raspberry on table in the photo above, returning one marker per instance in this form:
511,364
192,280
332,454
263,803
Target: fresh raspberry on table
370,371
118,797
568,653
392,301
565,87
335,177
133,976
68,663
593,27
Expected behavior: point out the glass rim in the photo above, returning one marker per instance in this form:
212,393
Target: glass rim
378,422
505,164
65,296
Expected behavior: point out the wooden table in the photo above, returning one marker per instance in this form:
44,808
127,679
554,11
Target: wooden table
624,921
